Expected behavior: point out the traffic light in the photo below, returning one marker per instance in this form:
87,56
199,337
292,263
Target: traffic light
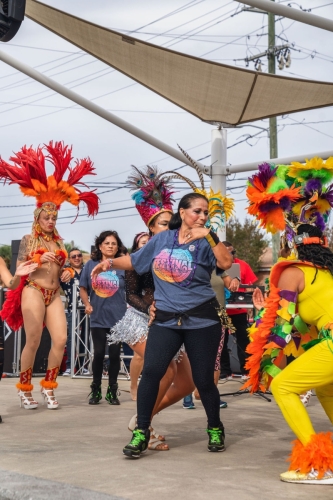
11,16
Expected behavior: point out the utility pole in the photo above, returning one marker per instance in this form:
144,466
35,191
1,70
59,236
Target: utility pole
273,143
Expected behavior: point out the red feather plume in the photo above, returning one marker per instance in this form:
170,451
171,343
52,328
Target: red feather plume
82,168
61,156
91,200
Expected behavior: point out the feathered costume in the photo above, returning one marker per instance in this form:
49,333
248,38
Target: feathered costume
283,198
28,170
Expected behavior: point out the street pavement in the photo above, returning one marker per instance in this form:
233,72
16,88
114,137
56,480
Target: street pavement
75,452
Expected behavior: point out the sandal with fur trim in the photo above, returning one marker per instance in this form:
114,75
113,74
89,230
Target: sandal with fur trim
157,445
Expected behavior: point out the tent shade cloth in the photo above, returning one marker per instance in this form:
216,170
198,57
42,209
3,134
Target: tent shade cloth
213,92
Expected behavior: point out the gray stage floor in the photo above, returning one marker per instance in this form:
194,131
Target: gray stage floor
75,452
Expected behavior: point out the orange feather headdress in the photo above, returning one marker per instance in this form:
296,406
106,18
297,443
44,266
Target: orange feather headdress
28,171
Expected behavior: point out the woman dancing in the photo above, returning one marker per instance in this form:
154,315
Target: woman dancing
36,301
182,261
104,301
298,315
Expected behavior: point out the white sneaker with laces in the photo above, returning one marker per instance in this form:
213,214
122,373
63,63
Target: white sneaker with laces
67,372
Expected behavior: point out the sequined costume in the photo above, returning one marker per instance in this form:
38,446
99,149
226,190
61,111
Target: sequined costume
28,170
297,321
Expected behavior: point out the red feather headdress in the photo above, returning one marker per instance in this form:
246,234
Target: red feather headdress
28,171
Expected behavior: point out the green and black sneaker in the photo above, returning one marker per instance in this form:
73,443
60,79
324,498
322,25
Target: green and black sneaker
216,438
112,394
138,443
95,395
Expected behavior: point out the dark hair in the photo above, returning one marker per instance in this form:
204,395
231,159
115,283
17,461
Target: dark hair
315,253
136,240
97,254
185,203
227,244
74,249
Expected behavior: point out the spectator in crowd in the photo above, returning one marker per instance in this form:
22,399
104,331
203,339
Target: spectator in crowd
75,259
238,317
104,301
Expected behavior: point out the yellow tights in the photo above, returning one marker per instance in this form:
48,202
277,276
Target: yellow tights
312,370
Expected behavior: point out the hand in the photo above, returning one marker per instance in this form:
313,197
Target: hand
258,299
26,268
152,311
48,257
234,285
88,309
101,267
65,276
196,233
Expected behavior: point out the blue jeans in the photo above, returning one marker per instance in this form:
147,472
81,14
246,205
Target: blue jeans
69,315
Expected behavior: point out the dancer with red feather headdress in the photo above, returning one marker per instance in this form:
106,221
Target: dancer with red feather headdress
37,301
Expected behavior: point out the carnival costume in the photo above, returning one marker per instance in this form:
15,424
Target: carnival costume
285,198
29,172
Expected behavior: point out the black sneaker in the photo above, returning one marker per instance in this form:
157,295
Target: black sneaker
95,395
112,394
138,443
216,438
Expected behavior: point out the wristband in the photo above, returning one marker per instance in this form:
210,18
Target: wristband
212,239
110,263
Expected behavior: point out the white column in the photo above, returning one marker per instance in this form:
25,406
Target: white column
219,162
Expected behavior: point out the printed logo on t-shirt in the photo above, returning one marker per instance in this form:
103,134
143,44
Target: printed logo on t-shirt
106,284
175,269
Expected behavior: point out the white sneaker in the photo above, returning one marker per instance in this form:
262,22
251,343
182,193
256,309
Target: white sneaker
67,372
85,371
293,476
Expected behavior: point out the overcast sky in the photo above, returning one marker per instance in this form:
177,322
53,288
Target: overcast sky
32,114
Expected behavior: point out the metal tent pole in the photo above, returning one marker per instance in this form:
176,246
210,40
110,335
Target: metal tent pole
91,106
219,162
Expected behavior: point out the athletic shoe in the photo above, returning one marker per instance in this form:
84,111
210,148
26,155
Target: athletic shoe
85,371
216,438
245,377
294,476
223,404
225,378
95,395
138,443
188,403
67,372
112,394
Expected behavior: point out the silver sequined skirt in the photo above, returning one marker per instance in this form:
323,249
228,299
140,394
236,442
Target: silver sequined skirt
132,328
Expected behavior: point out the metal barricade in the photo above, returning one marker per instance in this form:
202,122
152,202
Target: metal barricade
84,359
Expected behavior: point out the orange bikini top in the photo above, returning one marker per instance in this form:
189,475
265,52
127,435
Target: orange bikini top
61,256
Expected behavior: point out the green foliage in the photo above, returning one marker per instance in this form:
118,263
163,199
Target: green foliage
6,254
248,240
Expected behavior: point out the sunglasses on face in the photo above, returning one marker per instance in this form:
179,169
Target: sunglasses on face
76,256
233,252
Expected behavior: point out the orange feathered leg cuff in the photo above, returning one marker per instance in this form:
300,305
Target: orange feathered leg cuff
316,454
49,382
25,384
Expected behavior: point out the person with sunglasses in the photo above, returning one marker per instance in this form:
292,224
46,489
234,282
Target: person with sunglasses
238,317
75,259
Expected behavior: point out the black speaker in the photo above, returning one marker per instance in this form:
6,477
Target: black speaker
40,364
15,251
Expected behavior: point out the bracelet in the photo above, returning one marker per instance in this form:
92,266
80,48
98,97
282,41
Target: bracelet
212,239
110,263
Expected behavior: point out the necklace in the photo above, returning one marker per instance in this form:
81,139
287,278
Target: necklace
175,243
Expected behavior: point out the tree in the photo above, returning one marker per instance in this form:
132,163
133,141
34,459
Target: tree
248,239
6,254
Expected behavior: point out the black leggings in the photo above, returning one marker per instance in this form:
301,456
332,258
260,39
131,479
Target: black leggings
99,339
201,347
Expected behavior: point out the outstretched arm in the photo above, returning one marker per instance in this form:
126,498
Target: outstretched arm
122,263
10,281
